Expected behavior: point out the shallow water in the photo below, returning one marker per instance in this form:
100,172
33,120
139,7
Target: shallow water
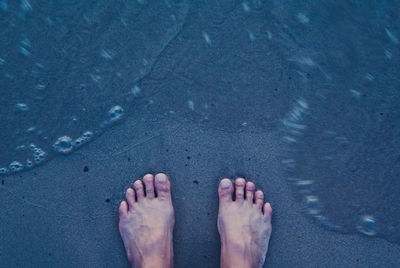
69,70
343,134
326,75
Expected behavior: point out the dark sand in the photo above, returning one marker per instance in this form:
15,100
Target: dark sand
219,78
60,216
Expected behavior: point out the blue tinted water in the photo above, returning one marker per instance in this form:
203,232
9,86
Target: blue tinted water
324,74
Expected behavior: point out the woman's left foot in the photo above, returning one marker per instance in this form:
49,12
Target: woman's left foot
147,221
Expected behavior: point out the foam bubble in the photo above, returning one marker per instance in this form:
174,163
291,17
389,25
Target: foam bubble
289,139
392,36
367,225
21,107
26,6
355,93
304,186
20,147
115,113
290,162
246,7
135,91
84,138
24,51
388,54
303,103
206,38
313,204
190,104
251,36
87,134
25,42
303,18
40,86
38,154
106,54
291,124
29,163
31,129
63,145
38,158
369,76
15,166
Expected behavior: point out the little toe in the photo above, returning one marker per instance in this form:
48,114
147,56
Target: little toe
163,186
239,187
250,188
148,181
138,185
130,197
267,210
225,190
123,209
259,199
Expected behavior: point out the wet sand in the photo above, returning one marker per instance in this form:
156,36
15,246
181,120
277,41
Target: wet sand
60,215
203,102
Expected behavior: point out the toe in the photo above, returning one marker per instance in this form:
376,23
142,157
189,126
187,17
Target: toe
250,188
138,185
225,190
123,209
148,180
163,186
267,210
130,197
239,187
259,199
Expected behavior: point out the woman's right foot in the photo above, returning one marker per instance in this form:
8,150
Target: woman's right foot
146,222
244,224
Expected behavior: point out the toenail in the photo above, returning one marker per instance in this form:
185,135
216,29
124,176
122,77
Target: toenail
240,182
161,178
250,186
225,184
148,176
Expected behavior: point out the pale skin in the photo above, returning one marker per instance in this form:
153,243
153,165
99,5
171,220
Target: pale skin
147,221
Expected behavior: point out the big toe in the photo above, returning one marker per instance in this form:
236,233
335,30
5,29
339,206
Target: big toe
225,190
163,186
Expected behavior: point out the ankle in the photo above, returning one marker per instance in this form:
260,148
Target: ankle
156,259
155,262
233,256
235,262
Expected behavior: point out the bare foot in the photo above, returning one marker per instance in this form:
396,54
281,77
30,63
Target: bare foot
146,222
244,224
